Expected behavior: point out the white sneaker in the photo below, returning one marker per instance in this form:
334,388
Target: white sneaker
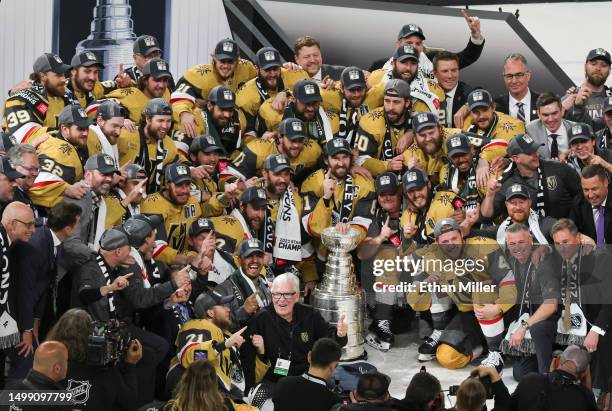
495,360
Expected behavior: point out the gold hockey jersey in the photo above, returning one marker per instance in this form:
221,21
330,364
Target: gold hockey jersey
501,131
134,100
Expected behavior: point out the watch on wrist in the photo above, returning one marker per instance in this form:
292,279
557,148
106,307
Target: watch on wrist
525,324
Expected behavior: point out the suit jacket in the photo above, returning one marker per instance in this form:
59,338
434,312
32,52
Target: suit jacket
582,214
335,72
467,56
537,131
36,268
502,103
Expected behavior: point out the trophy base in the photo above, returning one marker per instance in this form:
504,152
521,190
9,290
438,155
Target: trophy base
332,306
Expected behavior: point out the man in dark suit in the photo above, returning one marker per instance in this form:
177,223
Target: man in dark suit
520,101
308,55
446,71
591,212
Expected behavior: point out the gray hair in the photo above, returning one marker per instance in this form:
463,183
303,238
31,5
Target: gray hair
15,154
289,278
516,57
517,228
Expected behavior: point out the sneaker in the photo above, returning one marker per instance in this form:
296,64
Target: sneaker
380,335
495,360
427,350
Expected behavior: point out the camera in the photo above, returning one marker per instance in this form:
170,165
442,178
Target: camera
108,343
485,381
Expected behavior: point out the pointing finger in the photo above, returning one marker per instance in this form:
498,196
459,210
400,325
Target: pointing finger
241,330
465,15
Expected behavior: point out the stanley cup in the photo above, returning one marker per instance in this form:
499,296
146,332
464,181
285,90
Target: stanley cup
338,293
112,35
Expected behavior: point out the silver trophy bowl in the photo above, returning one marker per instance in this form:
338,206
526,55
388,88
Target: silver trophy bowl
338,294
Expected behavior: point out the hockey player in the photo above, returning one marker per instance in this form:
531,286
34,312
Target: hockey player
104,133
146,47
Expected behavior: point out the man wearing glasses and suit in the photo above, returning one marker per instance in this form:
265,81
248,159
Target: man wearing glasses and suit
520,101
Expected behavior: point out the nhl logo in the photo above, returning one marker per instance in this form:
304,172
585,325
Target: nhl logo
90,55
261,193
296,125
338,143
408,50
59,60
149,41
455,142
577,129
477,96
516,188
281,160
421,118
210,140
354,75
181,170
269,56
600,52
108,160
228,95
82,113
79,391
527,139
414,27
576,320
309,89
161,65
385,180
253,243
228,46
410,177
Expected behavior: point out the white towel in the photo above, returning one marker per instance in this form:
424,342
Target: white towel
288,242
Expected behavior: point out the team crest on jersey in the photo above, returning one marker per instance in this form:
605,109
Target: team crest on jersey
309,89
507,126
269,56
551,182
79,390
149,41
445,199
228,46
161,65
304,337
202,69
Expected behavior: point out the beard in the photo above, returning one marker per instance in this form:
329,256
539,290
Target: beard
596,79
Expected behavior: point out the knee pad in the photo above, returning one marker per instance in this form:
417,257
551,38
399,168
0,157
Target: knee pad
450,358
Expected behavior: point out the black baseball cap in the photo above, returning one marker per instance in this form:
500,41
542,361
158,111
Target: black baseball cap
74,114
406,52
600,54
387,183
517,190
109,109
158,107
307,91
410,29
268,57
607,105
145,45
292,128
50,62
479,98
373,385
104,163
580,131
206,144
139,227
86,58
337,145
254,195
135,172
444,226
352,77
523,144
458,144
208,300
200,225
156,68
397,88
424,120
6,168
414,178
276,163
250,246
114,238
226,49
177,173
222,96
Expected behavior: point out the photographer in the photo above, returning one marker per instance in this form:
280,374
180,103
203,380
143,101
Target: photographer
424,393
309,391
566,387
95,387
372,394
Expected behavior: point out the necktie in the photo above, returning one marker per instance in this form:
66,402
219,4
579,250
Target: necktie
567,301
449,111
521,111
554,147
599,226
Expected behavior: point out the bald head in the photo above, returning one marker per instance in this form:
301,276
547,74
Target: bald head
51,359
18,220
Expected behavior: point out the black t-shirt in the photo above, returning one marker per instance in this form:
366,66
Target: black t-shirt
303,392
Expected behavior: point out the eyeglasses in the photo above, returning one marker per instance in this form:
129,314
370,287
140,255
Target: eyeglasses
284,296
518,76
28,225
31,169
